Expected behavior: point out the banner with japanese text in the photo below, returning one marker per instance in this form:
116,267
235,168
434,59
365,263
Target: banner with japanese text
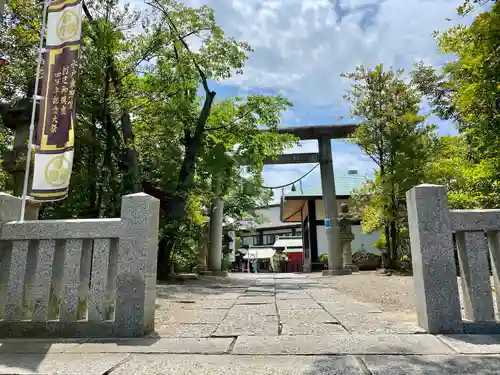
55,132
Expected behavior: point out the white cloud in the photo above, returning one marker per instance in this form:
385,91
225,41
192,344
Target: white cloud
302,46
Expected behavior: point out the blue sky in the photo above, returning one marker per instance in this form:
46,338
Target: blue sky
302,47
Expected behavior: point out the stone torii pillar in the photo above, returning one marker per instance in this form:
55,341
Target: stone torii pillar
324,134
216,228
332,228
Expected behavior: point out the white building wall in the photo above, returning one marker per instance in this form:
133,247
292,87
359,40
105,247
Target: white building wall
320,208
360,240
270,215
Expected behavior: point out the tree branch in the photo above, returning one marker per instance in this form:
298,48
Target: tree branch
172,26
226,127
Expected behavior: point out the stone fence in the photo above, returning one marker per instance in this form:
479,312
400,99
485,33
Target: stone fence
79,278
438,301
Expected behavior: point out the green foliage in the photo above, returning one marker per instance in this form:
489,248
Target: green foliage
138,97
381,243
398,140
19,40
323,258
467,90
470,5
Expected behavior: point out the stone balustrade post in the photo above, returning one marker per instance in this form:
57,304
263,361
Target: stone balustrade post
137,264
434,270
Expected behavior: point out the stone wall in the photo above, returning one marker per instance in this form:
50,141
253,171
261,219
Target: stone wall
432,225
79,278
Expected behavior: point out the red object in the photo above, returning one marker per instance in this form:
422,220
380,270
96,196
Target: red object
295,256
294,266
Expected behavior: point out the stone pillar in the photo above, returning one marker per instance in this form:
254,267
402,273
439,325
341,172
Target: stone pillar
14,161
137,264
201,266
216,227
346,237
215,247
434,269
10,208
12,261
331,211
472,249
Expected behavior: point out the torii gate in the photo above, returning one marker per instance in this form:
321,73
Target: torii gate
324,134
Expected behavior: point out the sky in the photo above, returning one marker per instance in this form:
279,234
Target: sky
302,46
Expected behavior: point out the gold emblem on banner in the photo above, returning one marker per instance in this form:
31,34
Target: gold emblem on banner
57,171
67,27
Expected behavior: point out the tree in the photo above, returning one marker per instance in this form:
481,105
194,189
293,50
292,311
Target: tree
19,31
215,59
141,123
397,139
468,183
204,127
467,91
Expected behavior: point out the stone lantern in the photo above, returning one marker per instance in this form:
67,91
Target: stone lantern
346,237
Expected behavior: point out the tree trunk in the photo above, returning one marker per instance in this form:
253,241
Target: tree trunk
131,152
188,166
93,171
386,255
393,253
128,136
177,205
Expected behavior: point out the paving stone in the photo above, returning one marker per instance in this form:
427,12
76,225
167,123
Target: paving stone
196,317
285,287
185,330
314,329
252,326
341,344
178,296
241,365
345,308
254,300
258,294
377,323
473,344
261,289
229,295
291,296
155,345
297,304
55,364
239,311
37,346
433,365
308,316
208,304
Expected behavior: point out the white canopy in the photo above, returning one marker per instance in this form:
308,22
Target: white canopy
293,250
288,242
260,253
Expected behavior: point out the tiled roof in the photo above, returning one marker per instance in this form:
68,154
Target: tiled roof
344,185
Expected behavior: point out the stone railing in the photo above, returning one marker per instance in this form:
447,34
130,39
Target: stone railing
432,225
79,278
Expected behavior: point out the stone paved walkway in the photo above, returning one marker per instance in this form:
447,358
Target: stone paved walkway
262,324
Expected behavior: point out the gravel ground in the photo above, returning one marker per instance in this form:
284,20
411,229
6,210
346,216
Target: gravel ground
391,293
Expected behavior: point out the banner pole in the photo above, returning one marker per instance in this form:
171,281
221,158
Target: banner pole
46,4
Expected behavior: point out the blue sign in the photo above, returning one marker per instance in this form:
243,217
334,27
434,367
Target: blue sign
328,223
